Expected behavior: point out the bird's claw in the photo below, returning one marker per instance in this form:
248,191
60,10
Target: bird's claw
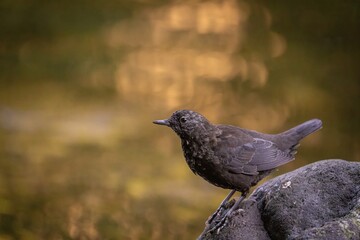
219,225
215,215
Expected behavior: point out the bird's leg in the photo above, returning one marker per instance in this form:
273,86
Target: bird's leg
222,205
224,220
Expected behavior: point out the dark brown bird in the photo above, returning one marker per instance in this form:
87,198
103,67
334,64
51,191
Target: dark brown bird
231,157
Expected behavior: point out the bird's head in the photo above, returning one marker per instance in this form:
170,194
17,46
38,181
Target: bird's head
185,123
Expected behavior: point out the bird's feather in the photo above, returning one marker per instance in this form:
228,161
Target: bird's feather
245,154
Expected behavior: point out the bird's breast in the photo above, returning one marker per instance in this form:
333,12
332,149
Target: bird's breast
203,162
196,155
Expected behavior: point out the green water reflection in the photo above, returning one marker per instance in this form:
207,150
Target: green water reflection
82,81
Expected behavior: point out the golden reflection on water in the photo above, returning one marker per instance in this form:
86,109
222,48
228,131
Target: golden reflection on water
180,46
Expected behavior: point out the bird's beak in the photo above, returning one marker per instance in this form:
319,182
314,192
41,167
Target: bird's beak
164,122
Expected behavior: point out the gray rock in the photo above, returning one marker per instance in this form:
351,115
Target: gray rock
318,201
245,223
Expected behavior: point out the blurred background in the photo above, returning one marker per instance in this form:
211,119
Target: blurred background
81,82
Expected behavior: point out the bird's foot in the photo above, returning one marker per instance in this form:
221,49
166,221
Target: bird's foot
221,208
223,212
220,224
215,215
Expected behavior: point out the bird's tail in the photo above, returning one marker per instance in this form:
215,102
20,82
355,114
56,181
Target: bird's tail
297,133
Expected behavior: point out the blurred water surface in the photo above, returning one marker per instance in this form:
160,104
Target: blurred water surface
82,81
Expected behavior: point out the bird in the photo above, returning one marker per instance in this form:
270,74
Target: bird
231,157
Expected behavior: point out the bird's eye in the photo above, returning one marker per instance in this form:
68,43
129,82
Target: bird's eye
182,119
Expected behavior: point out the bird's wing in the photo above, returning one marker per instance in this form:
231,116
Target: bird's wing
241,152
255,156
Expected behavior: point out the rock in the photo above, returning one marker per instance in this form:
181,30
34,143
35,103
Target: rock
246,222
318,201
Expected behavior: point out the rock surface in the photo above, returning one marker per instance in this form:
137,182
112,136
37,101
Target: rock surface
318,201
